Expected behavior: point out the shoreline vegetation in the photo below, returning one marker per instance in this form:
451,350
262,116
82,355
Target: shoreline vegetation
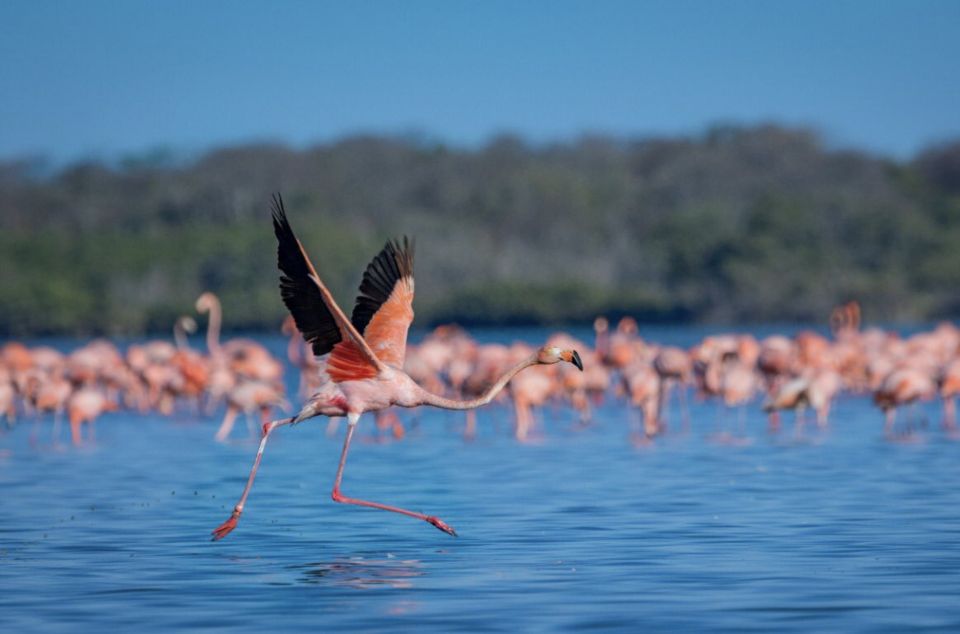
738,224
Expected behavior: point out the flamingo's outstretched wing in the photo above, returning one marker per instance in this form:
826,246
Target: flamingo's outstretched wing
318,318
384,308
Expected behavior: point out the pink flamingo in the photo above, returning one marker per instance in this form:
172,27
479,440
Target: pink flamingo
673,365
949,389
362,357
8,406
249,397
903,386
642,386
85,406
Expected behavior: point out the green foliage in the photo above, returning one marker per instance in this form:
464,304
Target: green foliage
741,224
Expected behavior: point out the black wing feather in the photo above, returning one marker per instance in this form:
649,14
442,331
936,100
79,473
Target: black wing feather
299,292
394,262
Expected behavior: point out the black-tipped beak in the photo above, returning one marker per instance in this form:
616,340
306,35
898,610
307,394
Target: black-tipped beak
575,360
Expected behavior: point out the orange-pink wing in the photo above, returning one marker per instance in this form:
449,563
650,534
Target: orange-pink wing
347,363
384,308
317,316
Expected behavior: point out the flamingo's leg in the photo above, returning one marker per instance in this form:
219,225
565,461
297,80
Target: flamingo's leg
224,529
227,425
339,497
654,427
663,401
823,415
75,422
684,407
251,426
949,413
57,416
888,424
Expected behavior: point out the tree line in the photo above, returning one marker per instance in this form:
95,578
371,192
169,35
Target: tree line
735,225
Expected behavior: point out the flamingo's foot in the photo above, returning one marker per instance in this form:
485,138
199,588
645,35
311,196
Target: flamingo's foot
439,523
224,529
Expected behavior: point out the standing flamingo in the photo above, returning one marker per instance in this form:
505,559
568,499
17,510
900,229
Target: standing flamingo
674,366
949,382
249,397
361,358
8,405
85,406
903,386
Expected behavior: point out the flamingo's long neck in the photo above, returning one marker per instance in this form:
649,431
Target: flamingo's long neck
213,327
179,336
486,397
294,353
602,342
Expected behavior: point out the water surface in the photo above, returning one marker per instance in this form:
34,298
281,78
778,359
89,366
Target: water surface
581,530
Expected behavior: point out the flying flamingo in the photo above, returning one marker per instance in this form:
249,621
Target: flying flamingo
361,358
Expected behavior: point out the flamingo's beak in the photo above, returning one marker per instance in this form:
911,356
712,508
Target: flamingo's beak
575,360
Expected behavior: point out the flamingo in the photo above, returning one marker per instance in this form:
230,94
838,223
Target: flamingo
8,406
361,358
85,406
642,386
244,357
793,394
601,330
192,366
902,386
249,397
949,389
299,358
738,385
778,356
51,394
672,365
529,391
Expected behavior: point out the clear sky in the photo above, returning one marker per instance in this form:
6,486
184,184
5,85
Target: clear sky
98,78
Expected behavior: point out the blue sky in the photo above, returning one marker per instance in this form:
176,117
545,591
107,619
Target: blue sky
101,79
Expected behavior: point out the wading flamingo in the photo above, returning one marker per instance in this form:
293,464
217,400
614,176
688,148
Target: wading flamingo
361,358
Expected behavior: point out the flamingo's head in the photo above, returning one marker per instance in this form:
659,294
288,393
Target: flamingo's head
553,354
601,324
628,326
188,324
206,302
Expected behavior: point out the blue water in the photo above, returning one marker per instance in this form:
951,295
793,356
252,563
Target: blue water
582,530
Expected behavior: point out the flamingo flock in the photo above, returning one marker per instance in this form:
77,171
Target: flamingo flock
155,376
807,371
803,373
